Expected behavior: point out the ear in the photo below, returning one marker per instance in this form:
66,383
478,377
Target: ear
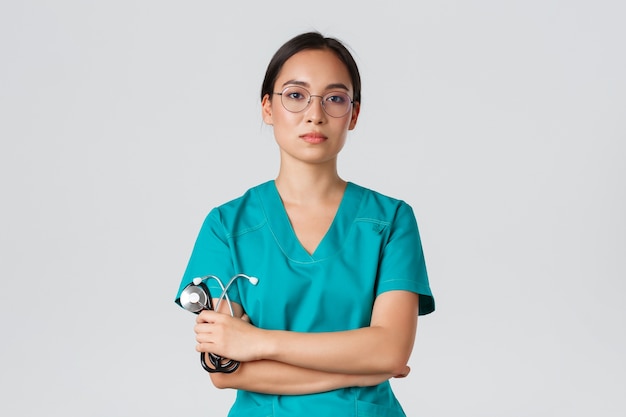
356,108
266,110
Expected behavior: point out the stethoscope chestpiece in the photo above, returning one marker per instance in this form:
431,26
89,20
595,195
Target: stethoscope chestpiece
196,297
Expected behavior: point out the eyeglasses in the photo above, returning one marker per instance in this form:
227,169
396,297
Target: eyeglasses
296,99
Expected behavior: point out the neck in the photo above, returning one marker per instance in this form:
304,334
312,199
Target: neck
309,183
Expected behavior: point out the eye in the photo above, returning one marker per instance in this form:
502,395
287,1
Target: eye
337,98
295,94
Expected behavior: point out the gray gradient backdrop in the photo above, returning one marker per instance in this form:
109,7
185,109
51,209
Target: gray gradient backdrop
501,122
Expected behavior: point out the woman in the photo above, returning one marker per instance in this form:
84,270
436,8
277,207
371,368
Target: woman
341,274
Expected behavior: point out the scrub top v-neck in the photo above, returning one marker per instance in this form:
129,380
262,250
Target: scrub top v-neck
372,246
286,238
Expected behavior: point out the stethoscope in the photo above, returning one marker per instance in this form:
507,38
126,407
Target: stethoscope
196,297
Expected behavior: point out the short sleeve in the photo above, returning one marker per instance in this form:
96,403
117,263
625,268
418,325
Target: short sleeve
210,257
402,265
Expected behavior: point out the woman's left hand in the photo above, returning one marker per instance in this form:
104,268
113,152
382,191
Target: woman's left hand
230,337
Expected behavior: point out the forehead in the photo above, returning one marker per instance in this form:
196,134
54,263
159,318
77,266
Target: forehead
315,68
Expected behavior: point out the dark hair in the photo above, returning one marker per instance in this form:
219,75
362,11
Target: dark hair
310,40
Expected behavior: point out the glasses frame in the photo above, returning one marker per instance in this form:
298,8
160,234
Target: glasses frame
322,100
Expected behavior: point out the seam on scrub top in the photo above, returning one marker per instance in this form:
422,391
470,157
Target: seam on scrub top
269,226
244,231
370,220
276,240
397,279
419,288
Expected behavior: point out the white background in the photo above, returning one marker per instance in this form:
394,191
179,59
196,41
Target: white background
501,122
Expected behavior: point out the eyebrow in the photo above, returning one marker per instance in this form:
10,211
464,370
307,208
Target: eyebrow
305,84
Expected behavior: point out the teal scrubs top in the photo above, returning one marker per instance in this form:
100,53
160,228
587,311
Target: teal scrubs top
372,246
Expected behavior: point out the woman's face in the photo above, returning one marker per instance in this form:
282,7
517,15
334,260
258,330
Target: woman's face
311,135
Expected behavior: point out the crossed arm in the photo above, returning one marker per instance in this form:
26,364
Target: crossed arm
287,363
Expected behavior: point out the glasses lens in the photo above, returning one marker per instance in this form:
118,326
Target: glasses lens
337,103
295,99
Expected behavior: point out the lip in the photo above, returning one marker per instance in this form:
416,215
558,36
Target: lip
313,137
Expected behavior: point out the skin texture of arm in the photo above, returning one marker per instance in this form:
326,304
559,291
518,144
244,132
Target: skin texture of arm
271,377
290,362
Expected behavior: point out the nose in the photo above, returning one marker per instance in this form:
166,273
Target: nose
315,111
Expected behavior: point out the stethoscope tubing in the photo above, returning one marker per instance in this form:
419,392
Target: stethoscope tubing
220,364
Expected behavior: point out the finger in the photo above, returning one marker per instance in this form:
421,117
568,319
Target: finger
202,328
204,347
205,316
204,337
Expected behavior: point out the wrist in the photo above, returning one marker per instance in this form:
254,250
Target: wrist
268,347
